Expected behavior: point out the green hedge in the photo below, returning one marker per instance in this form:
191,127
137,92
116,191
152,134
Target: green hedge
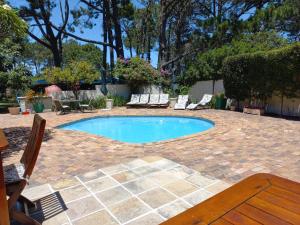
259,75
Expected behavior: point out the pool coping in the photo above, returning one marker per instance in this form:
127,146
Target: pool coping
186,137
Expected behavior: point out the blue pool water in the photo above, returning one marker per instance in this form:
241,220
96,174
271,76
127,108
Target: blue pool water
140,129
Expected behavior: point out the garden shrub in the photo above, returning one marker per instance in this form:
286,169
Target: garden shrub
97,103
257,76
136,72
118,100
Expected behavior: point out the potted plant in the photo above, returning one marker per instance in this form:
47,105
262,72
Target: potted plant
254,110
109,102
220,101
36,101
172,98
14,109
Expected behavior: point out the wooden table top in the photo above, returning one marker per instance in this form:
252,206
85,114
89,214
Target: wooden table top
3,141
259,199
4,218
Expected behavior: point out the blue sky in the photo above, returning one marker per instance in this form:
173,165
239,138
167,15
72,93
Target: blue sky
95,33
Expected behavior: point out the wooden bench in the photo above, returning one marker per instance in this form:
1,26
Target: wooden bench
259,199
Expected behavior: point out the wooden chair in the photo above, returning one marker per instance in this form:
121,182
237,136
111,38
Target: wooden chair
88,106
60,108
17,175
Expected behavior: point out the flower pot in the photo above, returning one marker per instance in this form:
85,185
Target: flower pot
220,103
253,111
38,107
172,102
14,110
109,103
232,108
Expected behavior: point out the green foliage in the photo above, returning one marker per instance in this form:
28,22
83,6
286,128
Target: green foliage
72,75
36,56
256,76
12,74
97,103
19,78
9,53
118,100
11,26
183,90
137,72
208,65
73,51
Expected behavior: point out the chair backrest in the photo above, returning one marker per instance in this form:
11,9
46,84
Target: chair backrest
154,98
57,105
164,98
183,98
32,149
206,99
144,98
135,98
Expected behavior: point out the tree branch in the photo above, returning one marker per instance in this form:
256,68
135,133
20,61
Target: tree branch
83,39
39,40
64,18
92,6
39,25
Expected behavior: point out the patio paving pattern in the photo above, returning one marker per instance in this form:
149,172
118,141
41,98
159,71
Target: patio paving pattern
99,197
238,146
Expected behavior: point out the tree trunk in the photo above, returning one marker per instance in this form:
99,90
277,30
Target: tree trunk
149,49
118,31
110,35
130,49
56,57
281,106
104,62
162,34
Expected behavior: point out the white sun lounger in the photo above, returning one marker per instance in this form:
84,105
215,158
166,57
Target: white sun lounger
204,101
154,100
164,99
144,99
181,102
135,98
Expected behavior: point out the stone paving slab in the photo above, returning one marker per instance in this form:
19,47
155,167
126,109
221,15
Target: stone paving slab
238,146
99,198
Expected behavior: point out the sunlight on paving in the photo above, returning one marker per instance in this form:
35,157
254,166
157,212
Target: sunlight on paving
144,191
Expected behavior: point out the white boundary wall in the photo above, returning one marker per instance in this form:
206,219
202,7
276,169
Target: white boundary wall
113,89
291,107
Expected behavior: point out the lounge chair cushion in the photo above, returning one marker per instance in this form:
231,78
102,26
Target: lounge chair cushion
14,173
154,99
180,105
134,99
192,106
205,99
164,99
182,102
144,99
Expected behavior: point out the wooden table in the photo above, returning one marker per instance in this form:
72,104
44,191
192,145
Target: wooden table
4,217
76,102
259,199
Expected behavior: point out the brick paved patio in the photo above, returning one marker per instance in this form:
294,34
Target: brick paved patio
238,146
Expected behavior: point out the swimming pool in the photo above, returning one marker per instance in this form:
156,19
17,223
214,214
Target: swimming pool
140,129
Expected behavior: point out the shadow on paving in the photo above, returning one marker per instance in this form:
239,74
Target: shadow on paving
17,138
46,208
